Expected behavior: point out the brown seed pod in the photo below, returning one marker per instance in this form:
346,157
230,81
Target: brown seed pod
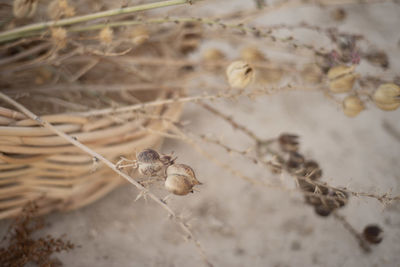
352,106
24,8
149,163
341,78
311,170
239,74
180,179
338,14
373,234
295,161
387,96
288,142
190,37
252,54
323,210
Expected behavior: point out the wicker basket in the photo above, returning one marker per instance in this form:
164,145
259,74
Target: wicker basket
36,164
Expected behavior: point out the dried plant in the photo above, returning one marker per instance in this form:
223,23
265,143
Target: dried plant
22,248
92,61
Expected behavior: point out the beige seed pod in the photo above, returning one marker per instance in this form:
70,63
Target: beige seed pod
60,8
352,106
24,8
252,54
387,96
341,78
180,179
213,54
59,37
106,35
139,35
178,185
239,74
311,73
149,163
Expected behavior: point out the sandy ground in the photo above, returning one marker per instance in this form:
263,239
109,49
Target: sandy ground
240,224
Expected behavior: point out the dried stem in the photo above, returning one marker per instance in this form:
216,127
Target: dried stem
112,166
37,27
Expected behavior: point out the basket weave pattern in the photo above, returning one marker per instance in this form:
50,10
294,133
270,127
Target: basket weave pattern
36,164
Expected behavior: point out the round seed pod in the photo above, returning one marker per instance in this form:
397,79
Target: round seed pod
106,35
387,96
239,74
312,170
323,210
252,54
341,78
352,106
139,35
213,54
288,142
180,179
178,184
60,8
24,8
373,234
149,163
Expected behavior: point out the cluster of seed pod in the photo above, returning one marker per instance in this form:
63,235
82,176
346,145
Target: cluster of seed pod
323,198
342,79
179,178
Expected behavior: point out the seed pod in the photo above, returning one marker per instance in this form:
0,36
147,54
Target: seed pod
139,35
59,37
341,78
312,170
312,73
352,106
251,54
24,8
149,163
239,74
288,142
295,161
338,14
387,96
180,179
323,210
373,234
190,37
106,35
60,8
213,54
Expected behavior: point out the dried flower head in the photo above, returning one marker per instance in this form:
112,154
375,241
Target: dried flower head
373,234
338,14
387,96
352,106
24,8
341,78
239,74
58,9
106,35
